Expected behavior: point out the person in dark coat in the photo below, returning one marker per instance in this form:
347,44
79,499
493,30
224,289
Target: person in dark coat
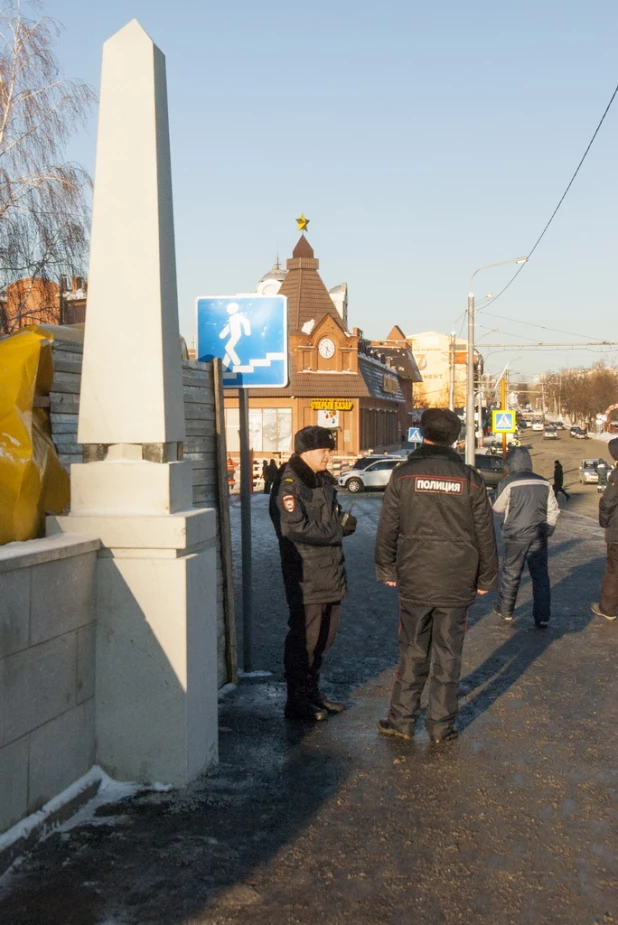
310,527
270,471
530,514
436,543
608,518
559,480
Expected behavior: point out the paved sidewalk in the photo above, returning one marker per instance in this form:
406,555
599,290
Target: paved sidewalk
516,823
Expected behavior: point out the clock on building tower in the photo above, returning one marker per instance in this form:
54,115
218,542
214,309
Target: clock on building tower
326,348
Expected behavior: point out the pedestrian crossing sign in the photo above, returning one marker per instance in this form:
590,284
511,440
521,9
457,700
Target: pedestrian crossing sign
414,435
503,422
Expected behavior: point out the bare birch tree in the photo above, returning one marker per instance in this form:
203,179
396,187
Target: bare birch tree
44,200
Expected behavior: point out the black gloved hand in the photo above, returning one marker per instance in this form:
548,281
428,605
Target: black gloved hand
348,522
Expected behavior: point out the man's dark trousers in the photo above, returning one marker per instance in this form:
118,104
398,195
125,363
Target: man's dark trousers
609,586
516,554
430,639
312,631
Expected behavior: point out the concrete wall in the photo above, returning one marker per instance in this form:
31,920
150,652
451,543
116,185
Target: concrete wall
200,445
47,670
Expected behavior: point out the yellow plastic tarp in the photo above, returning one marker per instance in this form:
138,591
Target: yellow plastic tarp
33,482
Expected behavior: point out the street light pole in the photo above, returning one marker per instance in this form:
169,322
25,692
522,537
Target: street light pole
470,435
470,384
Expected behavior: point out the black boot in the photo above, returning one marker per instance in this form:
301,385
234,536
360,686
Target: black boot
300,705
316,696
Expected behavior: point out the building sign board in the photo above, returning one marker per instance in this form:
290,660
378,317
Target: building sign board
249,334
331,404
503,421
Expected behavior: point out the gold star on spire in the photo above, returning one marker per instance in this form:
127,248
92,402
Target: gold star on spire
302,222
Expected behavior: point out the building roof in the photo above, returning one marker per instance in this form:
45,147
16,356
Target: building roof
337,384
308,298
402,362
276,272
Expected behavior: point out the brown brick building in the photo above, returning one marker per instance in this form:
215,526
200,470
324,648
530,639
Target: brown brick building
338,379
42,301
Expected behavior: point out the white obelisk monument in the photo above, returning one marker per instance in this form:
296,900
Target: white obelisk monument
156,684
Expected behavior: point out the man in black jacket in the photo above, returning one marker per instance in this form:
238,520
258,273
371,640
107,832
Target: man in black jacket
436,543
608,518
310,527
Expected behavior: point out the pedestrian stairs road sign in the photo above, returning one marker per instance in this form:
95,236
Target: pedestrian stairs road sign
414,435
503,422
249,335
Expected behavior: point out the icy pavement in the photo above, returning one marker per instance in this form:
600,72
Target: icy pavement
514,824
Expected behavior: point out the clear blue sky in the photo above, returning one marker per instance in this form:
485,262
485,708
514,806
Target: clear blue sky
421,139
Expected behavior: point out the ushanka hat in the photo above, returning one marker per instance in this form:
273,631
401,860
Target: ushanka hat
612,446
313,438
439,425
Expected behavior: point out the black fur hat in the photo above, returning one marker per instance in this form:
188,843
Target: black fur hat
440,426
612,446
313,438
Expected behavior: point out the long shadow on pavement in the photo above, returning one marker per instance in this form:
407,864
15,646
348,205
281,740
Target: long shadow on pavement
502,669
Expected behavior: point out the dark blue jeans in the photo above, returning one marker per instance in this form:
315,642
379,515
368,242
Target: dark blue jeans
516,554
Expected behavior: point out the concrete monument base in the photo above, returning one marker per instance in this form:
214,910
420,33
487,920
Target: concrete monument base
156,663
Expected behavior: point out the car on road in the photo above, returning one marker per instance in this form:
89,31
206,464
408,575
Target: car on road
588,474
374,475
579,433
550,433
537,425
490,468
559,425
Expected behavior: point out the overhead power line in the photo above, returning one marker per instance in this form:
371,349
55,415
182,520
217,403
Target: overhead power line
562,198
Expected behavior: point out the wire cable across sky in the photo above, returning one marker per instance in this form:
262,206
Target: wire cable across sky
562,198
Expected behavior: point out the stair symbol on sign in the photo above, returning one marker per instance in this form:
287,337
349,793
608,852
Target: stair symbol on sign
250,367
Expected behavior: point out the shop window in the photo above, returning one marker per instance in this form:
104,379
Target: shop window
232,426
270,430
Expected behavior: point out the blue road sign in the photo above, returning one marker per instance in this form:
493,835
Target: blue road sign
249,334
414,435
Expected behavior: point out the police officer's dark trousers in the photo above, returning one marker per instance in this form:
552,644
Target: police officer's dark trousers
312,631
516,554
609,586
430,646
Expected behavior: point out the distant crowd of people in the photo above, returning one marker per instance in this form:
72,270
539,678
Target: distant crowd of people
436,544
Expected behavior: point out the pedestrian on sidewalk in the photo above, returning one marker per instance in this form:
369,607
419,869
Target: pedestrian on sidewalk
436,544
270,471
530,514
559,480
608,518
310,527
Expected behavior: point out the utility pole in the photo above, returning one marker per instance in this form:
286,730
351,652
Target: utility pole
451,390
470,447
503,394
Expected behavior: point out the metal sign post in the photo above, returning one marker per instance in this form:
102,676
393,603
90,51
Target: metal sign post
246,476
249,335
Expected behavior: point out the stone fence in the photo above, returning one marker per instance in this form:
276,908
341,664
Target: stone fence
47,670
204,446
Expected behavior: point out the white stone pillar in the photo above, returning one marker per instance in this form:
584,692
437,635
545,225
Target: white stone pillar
156,685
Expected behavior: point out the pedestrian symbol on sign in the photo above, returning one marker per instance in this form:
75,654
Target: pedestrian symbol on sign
503,422
236,327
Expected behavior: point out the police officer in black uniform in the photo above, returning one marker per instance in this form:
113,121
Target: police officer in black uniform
436,544
310,527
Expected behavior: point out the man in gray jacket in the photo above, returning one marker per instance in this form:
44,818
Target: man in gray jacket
530,513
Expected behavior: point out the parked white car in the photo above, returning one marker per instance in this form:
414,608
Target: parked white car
588,474
538,425
375,475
